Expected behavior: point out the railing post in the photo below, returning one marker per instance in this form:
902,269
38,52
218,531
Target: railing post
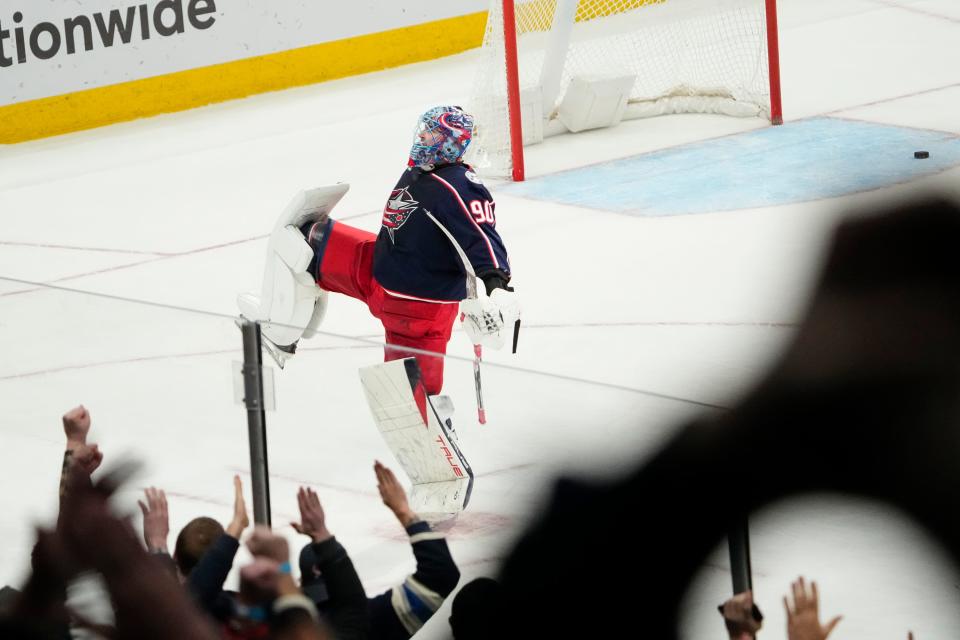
740,570
253,399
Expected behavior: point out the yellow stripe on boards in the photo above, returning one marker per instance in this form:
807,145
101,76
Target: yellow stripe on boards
537,15
603,8
197,87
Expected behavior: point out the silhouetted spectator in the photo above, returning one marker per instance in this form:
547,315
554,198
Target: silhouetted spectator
400,611
204,552
8,595
268,585
864,402
148,602
194,540
477,611
76,427
327,572
45,596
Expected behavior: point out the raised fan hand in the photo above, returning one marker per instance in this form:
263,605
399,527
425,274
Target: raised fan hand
156,520
741,617
87,457
393,495
264,543
240,520
76,426
803,617
313,520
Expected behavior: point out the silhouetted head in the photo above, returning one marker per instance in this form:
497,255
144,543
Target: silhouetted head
478,610
193,542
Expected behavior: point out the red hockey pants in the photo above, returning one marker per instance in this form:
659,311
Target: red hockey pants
347,267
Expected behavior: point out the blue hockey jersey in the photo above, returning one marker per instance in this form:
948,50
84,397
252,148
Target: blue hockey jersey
413,257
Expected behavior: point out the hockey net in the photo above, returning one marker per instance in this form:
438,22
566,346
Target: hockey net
685,56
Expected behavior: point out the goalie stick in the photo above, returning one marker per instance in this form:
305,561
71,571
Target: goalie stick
471,293
477,357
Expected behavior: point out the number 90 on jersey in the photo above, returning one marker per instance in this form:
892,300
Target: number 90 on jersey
482,211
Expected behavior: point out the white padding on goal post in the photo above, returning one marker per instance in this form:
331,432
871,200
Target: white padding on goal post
441,477
681,102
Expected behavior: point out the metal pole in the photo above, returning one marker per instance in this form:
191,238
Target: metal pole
256,420
740,571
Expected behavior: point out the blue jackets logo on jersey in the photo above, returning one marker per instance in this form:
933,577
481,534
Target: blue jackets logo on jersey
400,206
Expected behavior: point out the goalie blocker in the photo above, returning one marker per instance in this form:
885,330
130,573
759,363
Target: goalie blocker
416,429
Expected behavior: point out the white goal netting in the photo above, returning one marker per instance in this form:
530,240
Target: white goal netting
684,56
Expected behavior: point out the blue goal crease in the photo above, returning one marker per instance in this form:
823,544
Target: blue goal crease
799,161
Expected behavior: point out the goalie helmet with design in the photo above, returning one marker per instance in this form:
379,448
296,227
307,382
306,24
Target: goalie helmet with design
441,137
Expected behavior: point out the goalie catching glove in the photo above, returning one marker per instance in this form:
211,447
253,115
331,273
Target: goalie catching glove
489,320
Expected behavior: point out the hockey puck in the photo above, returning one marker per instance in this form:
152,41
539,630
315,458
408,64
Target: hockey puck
921,154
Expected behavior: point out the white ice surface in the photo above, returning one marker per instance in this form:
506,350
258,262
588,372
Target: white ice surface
175,209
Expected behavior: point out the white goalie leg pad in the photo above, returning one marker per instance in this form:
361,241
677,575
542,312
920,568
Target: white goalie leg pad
441,476
437,502
289,295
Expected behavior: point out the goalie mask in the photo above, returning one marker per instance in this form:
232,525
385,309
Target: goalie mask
441,137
